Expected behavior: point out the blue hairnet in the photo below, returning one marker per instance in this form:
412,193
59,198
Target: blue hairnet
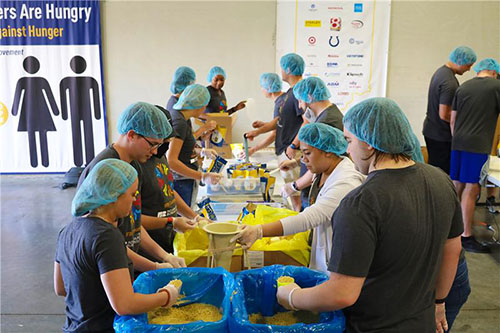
310,90
488,64
271,82
463,55
214,71
324,137
183,77
292,64
194,96
107,180
144,119
383,125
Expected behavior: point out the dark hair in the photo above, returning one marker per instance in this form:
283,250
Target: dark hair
395,157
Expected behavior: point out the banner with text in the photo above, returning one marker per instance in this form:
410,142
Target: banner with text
52,113
345,43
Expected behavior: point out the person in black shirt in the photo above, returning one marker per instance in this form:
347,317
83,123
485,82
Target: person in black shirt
395,243
218,102
289,121
475,112
142,128
90,268
441,91
181,153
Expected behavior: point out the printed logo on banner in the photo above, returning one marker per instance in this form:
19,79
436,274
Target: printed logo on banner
334,41
311,56
313,8
311,64
332,64
354,85
355,41
4,114
342,93
354,74
337,8
357,24
358,7
335,23
333,84
311,40
355,55
313,23
331,74
354,65
333,56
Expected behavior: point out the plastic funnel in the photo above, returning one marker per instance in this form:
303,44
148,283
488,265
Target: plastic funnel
220,246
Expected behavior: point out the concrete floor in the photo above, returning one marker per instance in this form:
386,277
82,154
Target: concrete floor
33,210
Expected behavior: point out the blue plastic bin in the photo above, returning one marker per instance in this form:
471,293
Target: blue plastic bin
255,292
219,285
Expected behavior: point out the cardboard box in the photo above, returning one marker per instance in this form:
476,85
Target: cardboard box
226,121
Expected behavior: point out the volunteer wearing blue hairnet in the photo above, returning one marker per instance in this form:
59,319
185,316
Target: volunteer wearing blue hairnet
473,120
161,204
290,119
313,96
335,176
270,84
218,102
181,153
442,89
393,230
91,268
142,129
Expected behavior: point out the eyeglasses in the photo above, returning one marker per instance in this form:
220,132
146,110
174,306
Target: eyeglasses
152,146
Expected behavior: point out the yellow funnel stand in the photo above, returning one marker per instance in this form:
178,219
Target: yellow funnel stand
220,248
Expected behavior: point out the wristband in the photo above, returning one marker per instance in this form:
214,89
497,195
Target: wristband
294,186
170,219
290,298
440,301
168,293
293,146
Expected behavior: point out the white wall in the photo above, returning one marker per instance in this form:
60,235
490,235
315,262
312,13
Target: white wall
145,41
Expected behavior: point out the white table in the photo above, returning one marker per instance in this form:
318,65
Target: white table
494,172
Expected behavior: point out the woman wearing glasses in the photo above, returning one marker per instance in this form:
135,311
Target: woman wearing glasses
181,153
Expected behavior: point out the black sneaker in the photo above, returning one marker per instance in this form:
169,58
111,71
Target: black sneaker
490,203
470,244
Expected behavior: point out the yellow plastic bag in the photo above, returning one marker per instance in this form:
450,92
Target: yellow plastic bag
295,246
193,244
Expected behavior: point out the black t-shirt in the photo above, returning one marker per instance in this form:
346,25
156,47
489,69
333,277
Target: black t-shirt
392,230
171,102
130,226
441,91
278,102
289,122
87,248
158,198
477,103
184,131
218,101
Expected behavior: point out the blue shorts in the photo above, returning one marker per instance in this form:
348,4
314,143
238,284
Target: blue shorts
466,167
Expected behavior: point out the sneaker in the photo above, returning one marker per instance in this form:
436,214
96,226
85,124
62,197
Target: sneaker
490,203
470,244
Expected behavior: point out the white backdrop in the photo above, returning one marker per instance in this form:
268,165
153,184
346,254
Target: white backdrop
345,43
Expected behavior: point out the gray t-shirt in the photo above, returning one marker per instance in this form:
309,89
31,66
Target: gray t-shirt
289,122
392,230
184,131
477,103
130,226
441,91
87,248
331,116
171,102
